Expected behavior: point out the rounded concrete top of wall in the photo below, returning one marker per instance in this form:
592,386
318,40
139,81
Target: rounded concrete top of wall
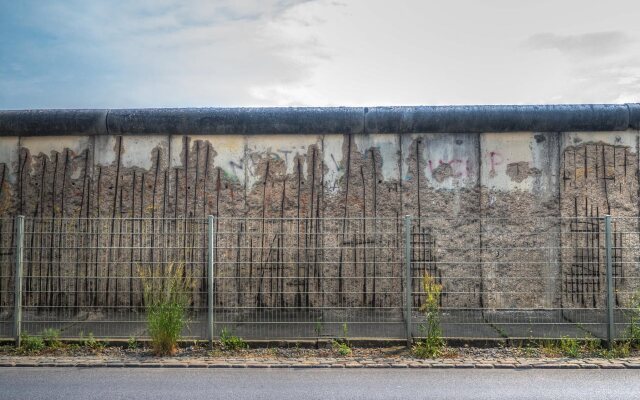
322,120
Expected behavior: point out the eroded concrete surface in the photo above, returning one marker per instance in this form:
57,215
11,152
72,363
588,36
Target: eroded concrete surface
485,208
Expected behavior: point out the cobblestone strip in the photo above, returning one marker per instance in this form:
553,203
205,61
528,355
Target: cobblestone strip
87,362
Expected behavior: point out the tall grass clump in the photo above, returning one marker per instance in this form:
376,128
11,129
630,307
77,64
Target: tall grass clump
342,345
166,301
632,333
432,344
31,344
229,341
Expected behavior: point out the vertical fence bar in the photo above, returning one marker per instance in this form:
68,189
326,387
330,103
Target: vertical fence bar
407,275
17,312
610,304
211,226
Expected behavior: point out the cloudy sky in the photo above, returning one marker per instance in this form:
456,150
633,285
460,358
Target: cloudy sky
194,53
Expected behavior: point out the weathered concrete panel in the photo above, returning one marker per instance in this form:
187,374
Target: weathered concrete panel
9,151
456,185
54,175
332,157
599,173
519,197
440,190
280,149
388,147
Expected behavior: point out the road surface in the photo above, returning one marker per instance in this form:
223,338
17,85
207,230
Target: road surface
172,384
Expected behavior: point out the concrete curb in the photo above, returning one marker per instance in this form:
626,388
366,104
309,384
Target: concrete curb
343,364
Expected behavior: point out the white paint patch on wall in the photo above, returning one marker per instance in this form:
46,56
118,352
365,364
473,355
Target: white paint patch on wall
137,151
332,156
228,153
388,147
230,156
450,160
280,147
9,156
49,144
498,151
176,144
105,150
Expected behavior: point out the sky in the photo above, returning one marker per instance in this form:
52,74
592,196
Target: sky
237,53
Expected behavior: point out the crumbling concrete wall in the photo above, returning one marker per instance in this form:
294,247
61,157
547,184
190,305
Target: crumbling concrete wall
520,225
599,176
441,176
485,207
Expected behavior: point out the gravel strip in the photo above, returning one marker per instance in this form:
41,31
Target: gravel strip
293,357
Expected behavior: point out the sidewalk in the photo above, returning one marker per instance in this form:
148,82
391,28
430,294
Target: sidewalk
134,361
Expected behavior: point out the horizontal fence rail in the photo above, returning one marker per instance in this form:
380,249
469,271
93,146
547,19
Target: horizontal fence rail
296,278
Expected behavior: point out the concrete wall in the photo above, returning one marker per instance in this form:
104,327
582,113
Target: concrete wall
490,201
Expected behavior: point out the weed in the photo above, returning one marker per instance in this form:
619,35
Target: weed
90,342
428,348
569,347
591,346
31,344
231,342
345,331
632,333
166,302
165,322
341,347
51,338
132,343
619,349
432,344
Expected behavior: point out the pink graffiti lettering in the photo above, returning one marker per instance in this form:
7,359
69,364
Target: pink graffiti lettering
495,159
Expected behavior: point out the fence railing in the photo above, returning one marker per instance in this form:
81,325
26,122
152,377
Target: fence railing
293,278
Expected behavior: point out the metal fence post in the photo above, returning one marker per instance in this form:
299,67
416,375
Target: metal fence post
610,302
407,272
17,311
211,227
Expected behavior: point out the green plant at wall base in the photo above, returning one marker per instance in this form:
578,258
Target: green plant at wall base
341,347
569,347
132,343
166,302
51,338
619,349
231,342
31,344
632,333
433,344
591,346
90,342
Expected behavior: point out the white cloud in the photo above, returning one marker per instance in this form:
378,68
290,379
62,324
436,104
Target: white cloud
592,44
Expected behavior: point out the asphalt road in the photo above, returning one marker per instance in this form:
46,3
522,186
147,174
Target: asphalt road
159,384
